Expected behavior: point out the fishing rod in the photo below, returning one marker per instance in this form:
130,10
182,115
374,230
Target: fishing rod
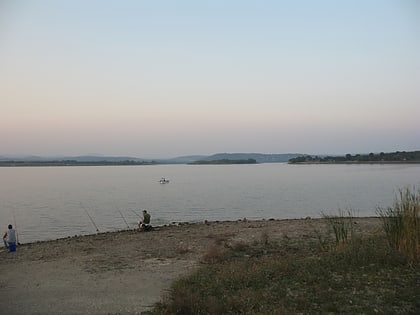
141,219
91,220
136,213
15,225
123,218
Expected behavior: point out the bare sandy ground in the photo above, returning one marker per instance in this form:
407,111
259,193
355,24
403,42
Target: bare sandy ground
126,272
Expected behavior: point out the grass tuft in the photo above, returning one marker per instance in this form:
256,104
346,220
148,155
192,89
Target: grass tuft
215,254
341,226
264,237
401,223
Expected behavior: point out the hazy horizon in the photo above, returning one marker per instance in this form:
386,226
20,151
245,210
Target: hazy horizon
163,79
58,156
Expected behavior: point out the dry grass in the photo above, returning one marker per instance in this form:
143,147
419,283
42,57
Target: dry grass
293,276
215,254
183,249
401,223
341,226
264,237
366,278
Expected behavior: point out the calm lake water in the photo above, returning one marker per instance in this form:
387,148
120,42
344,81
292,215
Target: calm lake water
53,202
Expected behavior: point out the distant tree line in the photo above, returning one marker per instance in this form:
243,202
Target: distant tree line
393,157
224,161
73,163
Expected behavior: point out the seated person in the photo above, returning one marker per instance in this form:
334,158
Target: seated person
145,224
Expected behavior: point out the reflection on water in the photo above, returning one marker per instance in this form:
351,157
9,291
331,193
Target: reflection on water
52,202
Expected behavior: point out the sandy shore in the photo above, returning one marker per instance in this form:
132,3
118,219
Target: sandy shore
126,272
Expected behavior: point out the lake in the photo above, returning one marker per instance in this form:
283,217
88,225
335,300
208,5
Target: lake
53,202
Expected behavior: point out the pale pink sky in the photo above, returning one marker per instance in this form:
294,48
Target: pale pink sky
161,80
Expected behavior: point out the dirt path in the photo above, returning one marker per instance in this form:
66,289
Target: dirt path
124,272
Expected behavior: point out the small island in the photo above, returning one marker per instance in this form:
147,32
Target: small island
380,158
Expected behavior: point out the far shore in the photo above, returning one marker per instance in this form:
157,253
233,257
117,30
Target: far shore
355,163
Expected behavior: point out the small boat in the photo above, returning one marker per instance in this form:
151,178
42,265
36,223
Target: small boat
163,180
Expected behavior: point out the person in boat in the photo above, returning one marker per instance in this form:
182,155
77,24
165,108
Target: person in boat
145,224
9,238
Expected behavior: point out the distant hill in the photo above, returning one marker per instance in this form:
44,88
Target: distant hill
88,160
81,158
259,157
223,162
15,160
182,159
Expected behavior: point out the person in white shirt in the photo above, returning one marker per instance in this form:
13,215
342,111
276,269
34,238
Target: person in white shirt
9,237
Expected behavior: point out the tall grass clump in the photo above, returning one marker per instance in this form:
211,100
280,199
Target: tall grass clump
341,226
401,223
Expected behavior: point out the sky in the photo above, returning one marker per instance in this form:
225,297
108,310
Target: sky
159,79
